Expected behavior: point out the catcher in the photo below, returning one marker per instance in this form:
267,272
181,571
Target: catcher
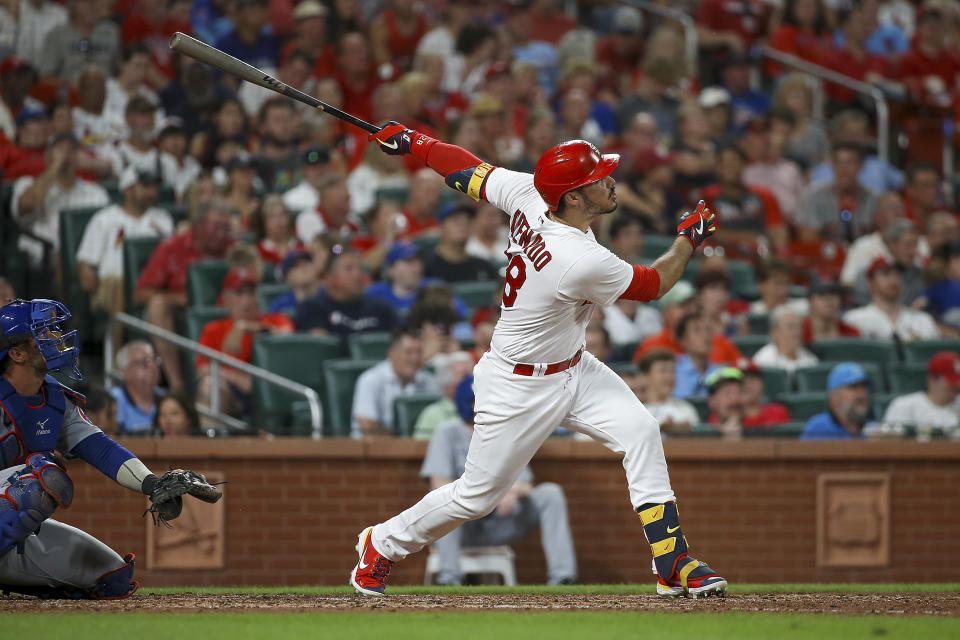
40,417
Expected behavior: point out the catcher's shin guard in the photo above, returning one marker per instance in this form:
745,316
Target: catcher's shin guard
32,496
113,585
677,573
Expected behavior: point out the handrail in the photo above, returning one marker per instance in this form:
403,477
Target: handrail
880,101
216,359
689,27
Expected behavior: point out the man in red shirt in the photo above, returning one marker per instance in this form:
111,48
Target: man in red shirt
756,412
422,199
930,70
356,75
733,25
233,336
824,321
921,193
853,59
151,24
162,285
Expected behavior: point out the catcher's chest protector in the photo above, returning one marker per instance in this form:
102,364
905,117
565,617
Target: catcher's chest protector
34,428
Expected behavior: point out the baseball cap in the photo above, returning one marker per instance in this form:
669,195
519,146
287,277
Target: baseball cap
880,262
309,9
721,375
680,293
714,97
945,364
294,258
316,155
29,114
13,63
131,175
401,251
454,207
239,278
846,374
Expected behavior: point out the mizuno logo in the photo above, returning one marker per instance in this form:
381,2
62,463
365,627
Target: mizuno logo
672,529
41,425
392,145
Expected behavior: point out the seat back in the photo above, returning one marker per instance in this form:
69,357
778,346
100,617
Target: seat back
775,381
749,345
759,323
700,404
655,246
906,377
136,254
205,281
811,379
791,430
73,222
195,319
923,350
340,379
369,346
804,405
406,410
855,350
476,294
267,293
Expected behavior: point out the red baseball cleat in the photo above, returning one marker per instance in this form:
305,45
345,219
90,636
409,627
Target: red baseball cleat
692,579
369,577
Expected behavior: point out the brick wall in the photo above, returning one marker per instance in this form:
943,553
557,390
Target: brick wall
294,507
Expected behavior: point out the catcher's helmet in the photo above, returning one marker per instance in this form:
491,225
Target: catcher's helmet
40,319
568,166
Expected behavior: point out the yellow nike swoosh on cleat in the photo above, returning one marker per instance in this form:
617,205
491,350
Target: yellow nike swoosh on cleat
672,529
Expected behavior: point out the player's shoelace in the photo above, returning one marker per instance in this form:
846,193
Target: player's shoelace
381,569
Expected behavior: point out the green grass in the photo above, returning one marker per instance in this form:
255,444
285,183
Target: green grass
884,587
465,626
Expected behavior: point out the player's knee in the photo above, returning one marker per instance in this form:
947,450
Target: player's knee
474,503
33,494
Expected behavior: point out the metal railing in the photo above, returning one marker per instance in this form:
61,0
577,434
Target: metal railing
879,99
217,359
689,27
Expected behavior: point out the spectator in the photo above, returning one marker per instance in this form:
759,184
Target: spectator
162,286
300,272
695,154
278,159
867,247
87,39
841,210
931,66
305,196
137,148
522,508
713,299
194,95
716,105
773,282
658,371
901,243
394,35
17,78
576,121
240,191
693,365
422,199
25,155
342,308
152,23
785,349
100,254
450,261
331,215
750,213
138,395
654,93
549,22
7,292
939,405
807,144
275,238
852,59
853,126
527,50
719,28
497,141
382,223
24,25
764,143
36,203
885,318
101,409
130,82
921,194
449,369
747,102
488,235
803,33
176,416
401,374
250,40
648,193
824,321
943,297
943,228
311,38
377,171
757,412
618,52
233,336
177,167
597,342
434,315
725,400
404,278
294,71
848,405
356,74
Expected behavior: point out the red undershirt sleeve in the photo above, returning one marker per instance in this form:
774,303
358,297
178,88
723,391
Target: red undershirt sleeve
644,286
445,158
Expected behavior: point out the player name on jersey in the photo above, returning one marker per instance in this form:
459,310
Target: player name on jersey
533,245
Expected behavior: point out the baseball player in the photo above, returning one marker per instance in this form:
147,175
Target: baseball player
536,374
38,418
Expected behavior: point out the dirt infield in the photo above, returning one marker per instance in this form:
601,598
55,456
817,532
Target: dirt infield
933,604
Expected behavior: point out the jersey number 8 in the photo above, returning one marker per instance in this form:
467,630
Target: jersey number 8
516,276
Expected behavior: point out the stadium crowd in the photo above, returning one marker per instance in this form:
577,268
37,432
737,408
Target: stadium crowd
827,306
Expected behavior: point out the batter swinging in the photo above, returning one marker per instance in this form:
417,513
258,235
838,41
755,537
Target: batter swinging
536,374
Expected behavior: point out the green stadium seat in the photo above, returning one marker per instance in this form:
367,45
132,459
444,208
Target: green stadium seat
396,194
166,195
476,294
72,224
369,346
624,368
804,405
655,246
775,381
267,293
406,410
812,379
179,212
749,345
906,377
113,190
205,281
855,350
136,254
340,378
700,404
704,430
759,323
286,355
426,243
880,402
790,430
924,350
195,319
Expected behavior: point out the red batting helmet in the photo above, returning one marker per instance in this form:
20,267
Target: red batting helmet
569,166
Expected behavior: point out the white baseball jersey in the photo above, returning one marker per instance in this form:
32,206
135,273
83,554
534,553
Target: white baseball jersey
102,242
555,276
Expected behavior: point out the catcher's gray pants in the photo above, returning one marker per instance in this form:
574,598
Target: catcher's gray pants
545,506
57,555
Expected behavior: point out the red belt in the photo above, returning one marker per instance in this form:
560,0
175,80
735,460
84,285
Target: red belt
556,367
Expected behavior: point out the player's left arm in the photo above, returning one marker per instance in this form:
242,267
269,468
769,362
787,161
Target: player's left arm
82,439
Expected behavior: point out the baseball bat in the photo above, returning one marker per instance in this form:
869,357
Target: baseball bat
212,56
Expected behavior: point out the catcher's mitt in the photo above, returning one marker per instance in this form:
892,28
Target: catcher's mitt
166,499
